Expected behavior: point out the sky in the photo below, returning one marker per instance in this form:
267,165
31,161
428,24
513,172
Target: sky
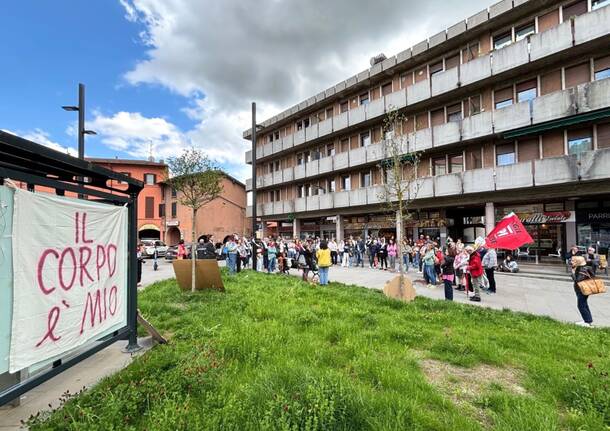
164,75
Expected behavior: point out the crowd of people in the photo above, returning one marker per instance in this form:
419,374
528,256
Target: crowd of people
456,266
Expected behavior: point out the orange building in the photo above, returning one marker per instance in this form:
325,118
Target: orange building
223,216
150,220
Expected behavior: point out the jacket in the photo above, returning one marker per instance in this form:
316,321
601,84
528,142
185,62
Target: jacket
474,265
323,257
581,273
447,265
490,260
392,250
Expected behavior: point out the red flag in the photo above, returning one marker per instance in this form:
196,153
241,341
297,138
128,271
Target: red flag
509,234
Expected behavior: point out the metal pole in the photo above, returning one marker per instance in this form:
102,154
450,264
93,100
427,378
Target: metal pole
254,224
132,276
81,121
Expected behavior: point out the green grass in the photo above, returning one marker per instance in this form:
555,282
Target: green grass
275,353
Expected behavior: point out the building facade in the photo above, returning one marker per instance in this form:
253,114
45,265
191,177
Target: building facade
508,109
150,221
224,216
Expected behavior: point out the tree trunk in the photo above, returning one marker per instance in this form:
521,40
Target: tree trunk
399,233
193,250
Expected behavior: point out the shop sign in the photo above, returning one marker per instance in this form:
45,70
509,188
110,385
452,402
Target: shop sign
171,223
431,222
547,217
593,216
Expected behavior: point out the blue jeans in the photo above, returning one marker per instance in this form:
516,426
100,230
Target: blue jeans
448,290
416,262
272,260
430,274
405,261
583,306
232,262
323,271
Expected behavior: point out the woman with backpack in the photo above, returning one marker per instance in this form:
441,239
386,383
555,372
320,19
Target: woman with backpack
581,272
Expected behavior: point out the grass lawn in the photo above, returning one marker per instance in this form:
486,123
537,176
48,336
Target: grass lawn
273,352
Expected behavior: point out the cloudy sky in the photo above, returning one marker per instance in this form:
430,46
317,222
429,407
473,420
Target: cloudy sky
162,75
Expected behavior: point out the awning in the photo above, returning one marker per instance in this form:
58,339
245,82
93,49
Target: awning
557,124
148,227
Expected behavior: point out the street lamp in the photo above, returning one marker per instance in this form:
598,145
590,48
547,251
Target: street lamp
255,128
81,120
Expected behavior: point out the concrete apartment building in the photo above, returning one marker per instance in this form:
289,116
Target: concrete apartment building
509,108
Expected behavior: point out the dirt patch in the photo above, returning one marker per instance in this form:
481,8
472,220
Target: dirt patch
464,385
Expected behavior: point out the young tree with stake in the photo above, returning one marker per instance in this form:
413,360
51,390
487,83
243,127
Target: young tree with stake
197,181
399,172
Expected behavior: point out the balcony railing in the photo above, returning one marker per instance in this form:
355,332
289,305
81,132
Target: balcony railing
587,27
571,169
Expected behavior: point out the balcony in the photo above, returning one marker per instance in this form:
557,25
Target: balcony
341,160
287,142
311,132
421,140
555,170
510,57
259,152
326,165
325,127
592,25
551,41
299,172
267,149
278,178
512,117
278,207
357,115
374,152
312,168
594,95
447,185
396,100
277,146
422,188
357,156
477,125
357,197
341,199
260,181
267,180
478,180
340,121
475,70
374,194
326,201
268,208
595,165
300,205
248,184
299,137
313,203
554,105
445,134
444,82
514,176
418,92
249,157
375,109
288,174
288,207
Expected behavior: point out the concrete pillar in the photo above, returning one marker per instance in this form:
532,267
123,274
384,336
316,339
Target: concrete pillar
339,228
296,228
490,217
415,233
263,229
443,230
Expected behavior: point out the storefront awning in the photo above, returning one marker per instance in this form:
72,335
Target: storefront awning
148,227
556,124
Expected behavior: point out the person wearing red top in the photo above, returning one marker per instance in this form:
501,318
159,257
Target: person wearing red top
475,268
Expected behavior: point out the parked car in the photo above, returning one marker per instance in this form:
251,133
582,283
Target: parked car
172,252
149,247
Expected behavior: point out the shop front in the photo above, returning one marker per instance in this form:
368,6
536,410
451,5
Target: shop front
466,223
593,225
370,226
546,224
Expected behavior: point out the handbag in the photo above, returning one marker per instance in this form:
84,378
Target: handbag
591,286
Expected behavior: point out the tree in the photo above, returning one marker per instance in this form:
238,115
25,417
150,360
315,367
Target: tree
399,171
197,181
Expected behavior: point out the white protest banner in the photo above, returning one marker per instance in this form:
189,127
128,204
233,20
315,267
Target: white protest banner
69,275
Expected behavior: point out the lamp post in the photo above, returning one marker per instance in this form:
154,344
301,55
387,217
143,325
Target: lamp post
81,120
255,128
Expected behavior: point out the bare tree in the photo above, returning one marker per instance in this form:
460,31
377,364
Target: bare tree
399,172
197,181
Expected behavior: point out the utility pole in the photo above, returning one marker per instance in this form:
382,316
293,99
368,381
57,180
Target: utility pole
254,223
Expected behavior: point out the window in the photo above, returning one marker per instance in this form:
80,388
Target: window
436,68
473,159
406,79
503,98
330,150
505,154
602,74
346,182
299,125
174,193
344,145
386,89
579,141
270,170
270,138
596,4
331,186
150,179
472,105
277,196
276,165
301,191
454,112
574,9
451,62
471,52
364,99
502,40
439,166
578,74
174,209
306,122
308,190
321,116
365,139
307,156
456,163
524,31
365,179
300,159
527,91
277,135
315,154
344,107
329,113
161,210
271,196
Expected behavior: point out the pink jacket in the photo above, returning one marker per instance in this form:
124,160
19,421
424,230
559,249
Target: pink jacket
392,250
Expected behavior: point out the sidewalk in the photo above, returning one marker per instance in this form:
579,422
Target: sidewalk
552,298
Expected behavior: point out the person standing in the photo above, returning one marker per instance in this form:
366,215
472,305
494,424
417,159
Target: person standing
345,254
428,266
392,255
406,253
475,269
332,246
580,272
448,272
592,259
271,256
382,254
231,247
360,249
181,254
370,245
490,262
324,262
